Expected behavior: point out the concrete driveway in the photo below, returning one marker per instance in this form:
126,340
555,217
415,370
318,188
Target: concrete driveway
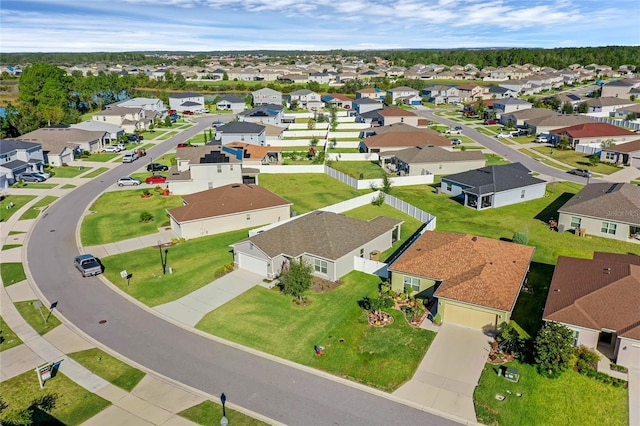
449,372
191,308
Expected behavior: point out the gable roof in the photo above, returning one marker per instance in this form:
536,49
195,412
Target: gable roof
96,125
206,154
54,139
403,89
321,234
593,130
434,154
608,101
226,200
599,293
254,151
364,101
241,127
489,274
302,92
606,201
626,147
493,179
266,91
395,112
118,110
7,145
400,127
405,139
184,95
232,98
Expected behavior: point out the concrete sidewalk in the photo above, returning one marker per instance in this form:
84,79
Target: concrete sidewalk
164,235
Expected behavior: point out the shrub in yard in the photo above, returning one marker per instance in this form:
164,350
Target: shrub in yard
520,238
586,358
146,217
553,349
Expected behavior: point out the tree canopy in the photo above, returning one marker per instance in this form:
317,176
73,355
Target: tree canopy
296,279
553,349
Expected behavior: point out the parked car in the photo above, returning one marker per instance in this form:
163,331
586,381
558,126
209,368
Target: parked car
184,145
88,265
171,111
217,124
519,132
455,141
133,138
121,146
44,175
187,112
156,179
542,139
128,181
129,157
174,116
458,128
581,172
490,121
31,177
453,132
111,148
503,135
157,167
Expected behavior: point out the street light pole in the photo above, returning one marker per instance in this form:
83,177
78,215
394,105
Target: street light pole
162,261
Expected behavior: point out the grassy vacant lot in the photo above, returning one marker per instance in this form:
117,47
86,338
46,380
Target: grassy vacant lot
571,399
495,160
31,315
359,169
8,337
68,171
17,200
73,404
194,264
308,191
12,273
209,413
109,368
117,216
96,172
268,321
576,159
35,209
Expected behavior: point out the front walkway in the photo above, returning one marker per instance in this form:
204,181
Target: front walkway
449,373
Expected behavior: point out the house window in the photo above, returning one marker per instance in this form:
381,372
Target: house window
610,156
522,193
231,167
362,252
411,283
219,168
248,216
608,228
320,266
449,186
576,222
576,334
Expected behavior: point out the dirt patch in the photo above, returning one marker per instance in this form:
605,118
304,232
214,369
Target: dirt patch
324,286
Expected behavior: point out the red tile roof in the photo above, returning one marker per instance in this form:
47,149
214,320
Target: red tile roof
477,270
594,130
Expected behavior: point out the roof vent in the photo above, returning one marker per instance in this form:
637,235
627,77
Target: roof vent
607,271
557,290
235,186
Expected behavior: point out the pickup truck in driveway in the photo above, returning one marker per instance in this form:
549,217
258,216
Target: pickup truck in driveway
88,265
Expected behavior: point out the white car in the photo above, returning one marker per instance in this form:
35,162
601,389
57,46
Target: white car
121,146
541,139
503,135
129,157
111,148
128,181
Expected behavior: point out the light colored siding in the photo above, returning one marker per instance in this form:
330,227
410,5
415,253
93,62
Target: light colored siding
594,227
514,196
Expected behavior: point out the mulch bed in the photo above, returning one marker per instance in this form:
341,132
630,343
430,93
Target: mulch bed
324,286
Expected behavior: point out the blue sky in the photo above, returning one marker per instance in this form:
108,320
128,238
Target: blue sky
211,25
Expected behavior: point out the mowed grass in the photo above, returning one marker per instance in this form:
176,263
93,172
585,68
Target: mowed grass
359,169
109,368
68,171
18,201
94,173
12,273
117,216
576,160
39,206
35,185
495,160
308,191
34,316
73,404
102,157
267,320
571,399
208,413
194,264
8,338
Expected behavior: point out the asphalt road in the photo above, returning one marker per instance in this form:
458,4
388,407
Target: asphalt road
276,390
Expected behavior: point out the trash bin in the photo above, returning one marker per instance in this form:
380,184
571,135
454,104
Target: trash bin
170,270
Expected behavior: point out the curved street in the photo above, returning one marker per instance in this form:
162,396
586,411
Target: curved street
283,392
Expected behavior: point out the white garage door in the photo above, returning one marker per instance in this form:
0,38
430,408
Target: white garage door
468,317
253,264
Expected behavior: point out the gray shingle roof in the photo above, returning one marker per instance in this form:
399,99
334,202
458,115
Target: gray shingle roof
184,95
234,99
492,179
13,145
323,234
618,202
241,127
432,154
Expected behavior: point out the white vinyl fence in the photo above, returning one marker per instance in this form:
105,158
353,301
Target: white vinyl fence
371,267
368,183
365,156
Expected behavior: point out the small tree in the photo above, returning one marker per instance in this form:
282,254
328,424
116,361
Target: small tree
567,108
520,238
508,339
297,279
314,141
386,184
564,142
311,124
583,107
167,121
594,159
553,349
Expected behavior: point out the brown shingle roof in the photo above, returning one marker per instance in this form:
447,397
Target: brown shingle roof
405,139
254,151
53,139
617,202
226,200
603,293
400,127
625,147
324,234
395,112
477,270
434,154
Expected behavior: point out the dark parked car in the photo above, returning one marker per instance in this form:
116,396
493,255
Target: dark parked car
157,167
581,172
88,265
133,138
491,121
31,177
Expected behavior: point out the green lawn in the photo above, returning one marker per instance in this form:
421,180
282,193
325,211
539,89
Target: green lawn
576,160
102,157
68,171
117,216
96,172
37,207
495,160
544,160
12,273
18,201
73,404
67,186
151,135
8,338
167,136
109,368
35,185
10,246
359,169
208,413
267,320
194,264
343,150
571,399
308,191
31,315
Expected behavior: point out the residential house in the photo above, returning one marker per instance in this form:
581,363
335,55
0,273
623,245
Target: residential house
624,112
598,300
439,94
494,186
387,116
406,95
186,101
475,280
321,77
627,153
337,100
147,104
17,157
365,105
254,155
130,119
607,106
548,123
227,208
113,131
266,96
263,114
520,118
232,102
372,93
60,145
623,88
471,92
608,210
241,131
499,92
520,87
509,105
318,238
593,134
395,128
306,99
432,160
395,141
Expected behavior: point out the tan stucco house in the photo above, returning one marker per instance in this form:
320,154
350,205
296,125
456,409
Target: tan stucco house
425,160
227,208
476,280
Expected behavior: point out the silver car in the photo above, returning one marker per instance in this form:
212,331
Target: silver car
128,181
